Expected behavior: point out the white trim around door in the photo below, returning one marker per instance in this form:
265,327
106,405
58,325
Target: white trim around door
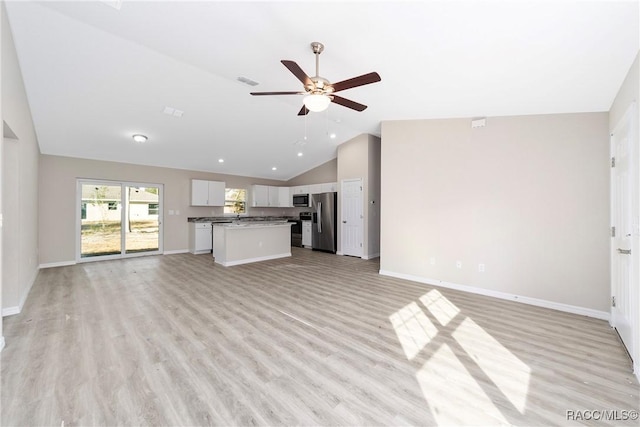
114,202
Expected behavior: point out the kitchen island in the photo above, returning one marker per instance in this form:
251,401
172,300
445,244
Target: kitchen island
245,242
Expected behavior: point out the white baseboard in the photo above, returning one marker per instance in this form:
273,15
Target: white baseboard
9,311
339,253
56,264
250,260
198,252
502,295
179,251
371,256
1,343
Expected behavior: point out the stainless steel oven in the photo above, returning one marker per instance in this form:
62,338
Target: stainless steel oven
296,232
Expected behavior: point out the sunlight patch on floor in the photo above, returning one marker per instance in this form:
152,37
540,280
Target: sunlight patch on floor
441,308
453,395
470,388
507,371
413,328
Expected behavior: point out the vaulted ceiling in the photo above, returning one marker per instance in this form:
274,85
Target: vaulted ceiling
96,74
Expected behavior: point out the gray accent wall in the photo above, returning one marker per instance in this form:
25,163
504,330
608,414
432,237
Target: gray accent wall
326,172
360,158
527,196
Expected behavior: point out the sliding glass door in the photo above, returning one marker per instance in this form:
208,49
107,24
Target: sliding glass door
118,219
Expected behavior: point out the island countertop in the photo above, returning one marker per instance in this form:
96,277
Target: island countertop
228,219
253,224
246,242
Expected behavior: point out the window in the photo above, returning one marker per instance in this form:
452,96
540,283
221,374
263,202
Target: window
235,201
153,209
113,206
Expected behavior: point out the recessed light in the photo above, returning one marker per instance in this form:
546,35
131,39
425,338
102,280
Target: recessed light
220,160
274,168
332,135
300,154
139,138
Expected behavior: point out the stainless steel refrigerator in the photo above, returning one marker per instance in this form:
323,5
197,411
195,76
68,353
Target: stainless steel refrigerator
324,227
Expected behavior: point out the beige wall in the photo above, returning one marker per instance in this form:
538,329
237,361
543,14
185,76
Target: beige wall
326,172
19,183
360,158
526,196
58,203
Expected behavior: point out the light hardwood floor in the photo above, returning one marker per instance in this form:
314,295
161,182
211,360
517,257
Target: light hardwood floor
315,339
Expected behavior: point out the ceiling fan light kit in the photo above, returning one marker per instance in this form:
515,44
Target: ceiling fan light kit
316,102
320,91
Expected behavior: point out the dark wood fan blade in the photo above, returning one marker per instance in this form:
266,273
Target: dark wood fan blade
297,71
362,80
276,93
348,103
303,111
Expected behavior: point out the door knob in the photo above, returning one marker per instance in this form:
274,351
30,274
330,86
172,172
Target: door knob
344,222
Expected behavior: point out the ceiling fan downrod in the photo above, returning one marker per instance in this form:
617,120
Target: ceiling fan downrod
317,48
320,84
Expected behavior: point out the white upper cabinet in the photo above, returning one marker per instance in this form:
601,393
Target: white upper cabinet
260,195
300,189
267,196
284,199
315,189
274,196
329,187
207,193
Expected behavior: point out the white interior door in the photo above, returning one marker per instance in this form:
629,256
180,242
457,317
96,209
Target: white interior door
624,248
352,218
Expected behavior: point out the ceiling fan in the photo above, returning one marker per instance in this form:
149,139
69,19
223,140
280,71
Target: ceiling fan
319,91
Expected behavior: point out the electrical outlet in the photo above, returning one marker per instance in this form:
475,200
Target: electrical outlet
459,265
177,212
171,212
432,260
481,268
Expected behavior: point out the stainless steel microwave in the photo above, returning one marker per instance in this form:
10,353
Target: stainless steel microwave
301,200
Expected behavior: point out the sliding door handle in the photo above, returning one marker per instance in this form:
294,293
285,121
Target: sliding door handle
624,251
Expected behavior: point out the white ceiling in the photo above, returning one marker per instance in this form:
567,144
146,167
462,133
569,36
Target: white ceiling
96,75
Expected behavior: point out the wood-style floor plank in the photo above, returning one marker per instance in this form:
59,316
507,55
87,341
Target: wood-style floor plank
315,339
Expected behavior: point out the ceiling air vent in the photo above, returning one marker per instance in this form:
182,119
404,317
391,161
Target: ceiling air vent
116,4
248,81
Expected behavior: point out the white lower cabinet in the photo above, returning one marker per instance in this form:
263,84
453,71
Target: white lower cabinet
200,237
306,233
